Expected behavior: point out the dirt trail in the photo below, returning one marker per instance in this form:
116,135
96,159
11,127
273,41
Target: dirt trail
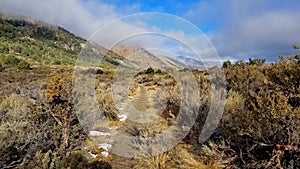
141,102
137,110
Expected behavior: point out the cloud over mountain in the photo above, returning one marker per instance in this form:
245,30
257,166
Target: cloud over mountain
236,28
81,17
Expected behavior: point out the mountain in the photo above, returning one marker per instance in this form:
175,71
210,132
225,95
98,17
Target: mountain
191,62
140,58
38,41
44,44
41,43
197,64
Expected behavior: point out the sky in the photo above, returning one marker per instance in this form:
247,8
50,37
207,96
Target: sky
236,29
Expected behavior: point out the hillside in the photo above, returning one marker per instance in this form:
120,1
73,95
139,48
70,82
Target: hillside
38,41
141,58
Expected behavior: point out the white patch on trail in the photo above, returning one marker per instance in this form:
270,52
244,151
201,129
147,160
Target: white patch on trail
98,133
105,146
130,97
122,117
105,153
93,155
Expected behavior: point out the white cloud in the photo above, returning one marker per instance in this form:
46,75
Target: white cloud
270,34
150,32
249,28
87,18
80,17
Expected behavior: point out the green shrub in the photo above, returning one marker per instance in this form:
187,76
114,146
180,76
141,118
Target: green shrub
4,49
11,60
158,71
23,65
57,62
257,62
111,60
149,71
1,67
226,64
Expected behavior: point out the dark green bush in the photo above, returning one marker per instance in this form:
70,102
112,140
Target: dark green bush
4,48
158,71
23,65
57,62
111,60
1,67
150,71
11,60
226,64
257,62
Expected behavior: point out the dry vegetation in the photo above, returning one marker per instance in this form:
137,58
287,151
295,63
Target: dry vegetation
259,127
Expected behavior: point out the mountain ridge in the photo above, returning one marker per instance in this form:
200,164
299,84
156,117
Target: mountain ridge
54,45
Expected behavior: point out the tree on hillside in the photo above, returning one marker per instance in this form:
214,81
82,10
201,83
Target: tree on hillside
258,62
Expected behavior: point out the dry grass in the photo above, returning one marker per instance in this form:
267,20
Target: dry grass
157,162
91,147
15,127
105,101
180,157
257,114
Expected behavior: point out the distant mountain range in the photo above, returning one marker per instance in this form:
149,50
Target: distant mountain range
197,64
141,59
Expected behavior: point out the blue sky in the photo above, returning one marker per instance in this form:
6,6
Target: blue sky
238,29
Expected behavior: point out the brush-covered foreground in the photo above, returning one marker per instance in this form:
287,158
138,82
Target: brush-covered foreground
259,127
